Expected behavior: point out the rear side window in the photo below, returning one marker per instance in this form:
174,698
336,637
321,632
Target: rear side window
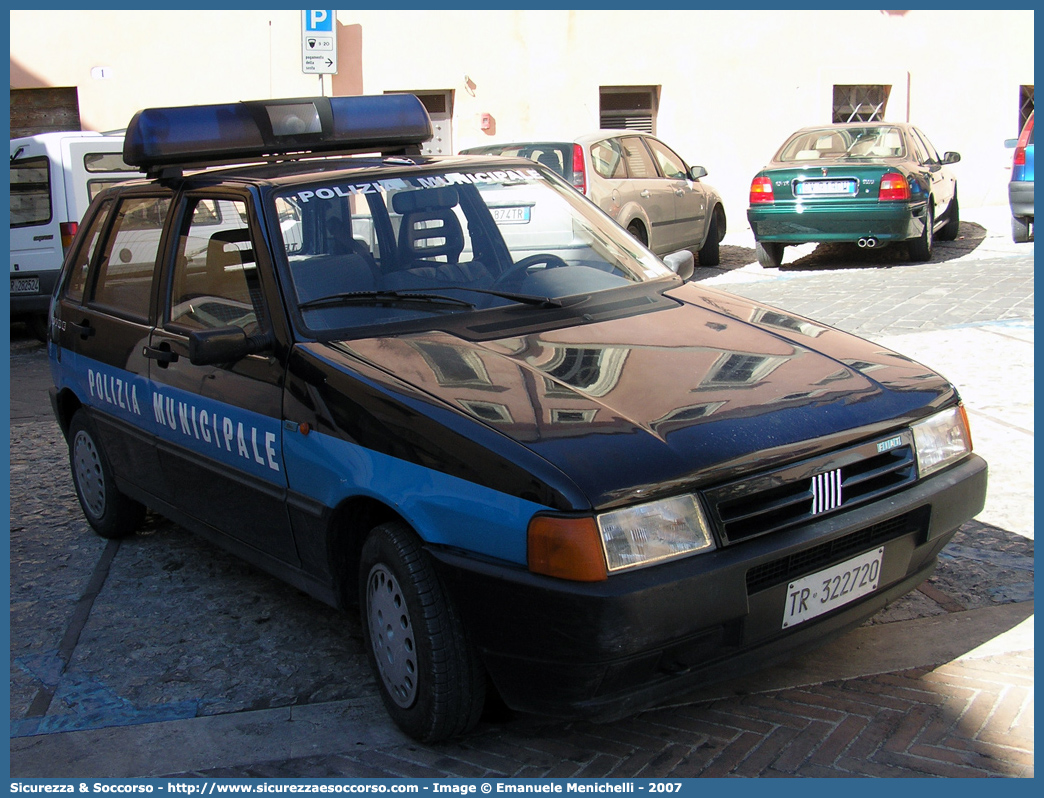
127,265
85,254
106,162
30,192
639,162
608,159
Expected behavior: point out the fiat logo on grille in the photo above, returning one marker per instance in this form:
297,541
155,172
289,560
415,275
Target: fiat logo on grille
826,492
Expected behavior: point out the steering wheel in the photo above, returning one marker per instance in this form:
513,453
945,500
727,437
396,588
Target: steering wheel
551,261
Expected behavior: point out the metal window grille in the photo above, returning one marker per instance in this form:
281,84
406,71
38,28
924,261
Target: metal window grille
860,103
628,108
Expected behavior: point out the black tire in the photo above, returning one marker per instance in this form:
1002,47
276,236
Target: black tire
638,232
109,512
920,249
710,253
769,253
430,677
37,325
949,231
1020,229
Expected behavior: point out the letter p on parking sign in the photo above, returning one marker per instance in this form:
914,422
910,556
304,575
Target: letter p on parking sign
319,21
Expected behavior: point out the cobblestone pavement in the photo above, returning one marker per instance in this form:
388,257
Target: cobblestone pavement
160,655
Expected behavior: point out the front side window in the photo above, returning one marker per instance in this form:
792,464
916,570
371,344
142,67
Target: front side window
215,282
670,163
30,191
361,253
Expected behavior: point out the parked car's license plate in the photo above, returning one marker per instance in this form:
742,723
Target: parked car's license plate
806,187
25,285
832,587
516,215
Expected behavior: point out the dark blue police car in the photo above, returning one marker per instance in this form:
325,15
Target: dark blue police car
454,392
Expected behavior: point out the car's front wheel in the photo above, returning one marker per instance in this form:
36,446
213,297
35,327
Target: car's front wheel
1020,229
920,248
430,677
769,254
109,512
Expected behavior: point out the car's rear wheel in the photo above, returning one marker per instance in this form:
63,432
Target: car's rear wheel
1020,229
920,248
430,677
110,513
710,252
638,232
953,222
769,253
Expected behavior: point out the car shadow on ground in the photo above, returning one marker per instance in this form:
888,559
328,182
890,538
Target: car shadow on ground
822,257
833,256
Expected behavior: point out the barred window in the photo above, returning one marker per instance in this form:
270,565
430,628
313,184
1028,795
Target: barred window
863,103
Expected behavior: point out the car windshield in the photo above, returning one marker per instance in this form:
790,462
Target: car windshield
381,250
869,141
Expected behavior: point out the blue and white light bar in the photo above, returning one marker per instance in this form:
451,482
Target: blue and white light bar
208,135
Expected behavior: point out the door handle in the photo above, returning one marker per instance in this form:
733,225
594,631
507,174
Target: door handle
160,355
84,329
645,194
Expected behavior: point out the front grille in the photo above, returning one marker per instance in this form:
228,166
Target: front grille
813,559
809,490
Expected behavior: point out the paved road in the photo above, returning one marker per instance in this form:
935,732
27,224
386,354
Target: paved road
162,656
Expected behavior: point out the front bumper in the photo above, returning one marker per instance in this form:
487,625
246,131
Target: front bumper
837,222
1020,196
606,649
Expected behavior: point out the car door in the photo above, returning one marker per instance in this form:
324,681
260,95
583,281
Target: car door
648,188
100,328
688,227
943,183
220,425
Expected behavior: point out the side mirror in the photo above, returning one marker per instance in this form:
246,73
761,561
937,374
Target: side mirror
682,263
951,157
224,345
1010,144
696,172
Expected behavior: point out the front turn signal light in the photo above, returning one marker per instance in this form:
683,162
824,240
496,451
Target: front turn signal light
567,548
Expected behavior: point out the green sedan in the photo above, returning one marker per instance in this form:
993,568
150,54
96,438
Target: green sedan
869,183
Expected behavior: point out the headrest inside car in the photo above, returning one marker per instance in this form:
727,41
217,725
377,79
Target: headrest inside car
426,199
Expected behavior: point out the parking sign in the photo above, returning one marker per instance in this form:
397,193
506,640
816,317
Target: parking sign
318,42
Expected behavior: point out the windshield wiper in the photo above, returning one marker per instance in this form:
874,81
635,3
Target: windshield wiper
384,297
525,299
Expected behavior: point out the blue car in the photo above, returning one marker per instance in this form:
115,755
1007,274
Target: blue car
1020,189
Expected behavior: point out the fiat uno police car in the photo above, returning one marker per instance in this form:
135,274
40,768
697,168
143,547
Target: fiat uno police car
453,392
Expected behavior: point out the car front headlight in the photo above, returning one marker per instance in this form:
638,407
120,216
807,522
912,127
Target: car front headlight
941,440
654,532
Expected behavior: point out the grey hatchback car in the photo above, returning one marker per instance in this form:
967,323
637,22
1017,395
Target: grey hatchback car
639,181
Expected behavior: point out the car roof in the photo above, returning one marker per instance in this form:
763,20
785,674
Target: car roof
305,170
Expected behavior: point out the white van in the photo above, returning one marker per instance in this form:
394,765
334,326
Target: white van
54,177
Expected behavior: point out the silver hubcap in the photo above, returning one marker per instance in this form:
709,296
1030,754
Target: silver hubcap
391,634
90,478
